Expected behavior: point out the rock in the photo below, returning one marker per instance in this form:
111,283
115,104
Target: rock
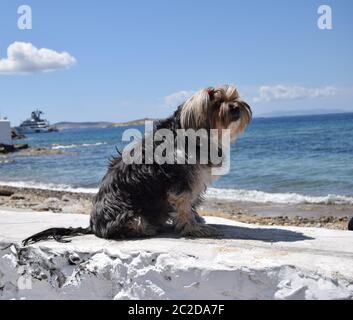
5,149
246,262
18,196
6,193
15,135
19,147
50,204
65,198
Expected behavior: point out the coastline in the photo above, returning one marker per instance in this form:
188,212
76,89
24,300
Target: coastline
332,216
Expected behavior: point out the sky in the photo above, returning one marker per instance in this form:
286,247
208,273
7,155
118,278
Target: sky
112,60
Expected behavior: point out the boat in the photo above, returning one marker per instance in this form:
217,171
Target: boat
35,124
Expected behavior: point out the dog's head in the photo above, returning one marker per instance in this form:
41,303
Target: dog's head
216,108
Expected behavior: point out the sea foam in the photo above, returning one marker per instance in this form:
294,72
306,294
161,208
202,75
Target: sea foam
73,146
214,193
47,186
282,198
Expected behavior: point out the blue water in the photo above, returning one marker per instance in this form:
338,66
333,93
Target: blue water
307,155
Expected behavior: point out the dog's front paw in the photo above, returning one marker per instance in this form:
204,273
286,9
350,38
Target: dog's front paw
197,230
198,218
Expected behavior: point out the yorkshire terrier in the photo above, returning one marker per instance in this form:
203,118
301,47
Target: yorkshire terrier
139,200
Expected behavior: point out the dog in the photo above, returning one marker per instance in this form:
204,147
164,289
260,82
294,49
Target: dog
141,200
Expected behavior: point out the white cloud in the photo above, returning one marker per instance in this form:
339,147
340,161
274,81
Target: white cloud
177,98
281,92
25,58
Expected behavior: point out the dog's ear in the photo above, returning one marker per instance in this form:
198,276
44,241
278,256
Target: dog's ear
216,97
216,94
194,113
211,92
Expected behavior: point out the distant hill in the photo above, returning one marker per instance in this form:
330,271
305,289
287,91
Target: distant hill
139,122
103,124
82,125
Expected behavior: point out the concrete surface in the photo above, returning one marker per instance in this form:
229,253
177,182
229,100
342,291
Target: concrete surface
247,262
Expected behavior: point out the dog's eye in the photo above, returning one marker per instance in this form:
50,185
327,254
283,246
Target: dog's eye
235,111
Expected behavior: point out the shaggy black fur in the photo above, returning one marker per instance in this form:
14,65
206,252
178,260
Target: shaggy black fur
133,199
130,191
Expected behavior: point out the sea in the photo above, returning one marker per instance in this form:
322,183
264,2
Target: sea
293,160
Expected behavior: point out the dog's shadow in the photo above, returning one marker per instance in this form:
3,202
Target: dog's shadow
227,232
260,234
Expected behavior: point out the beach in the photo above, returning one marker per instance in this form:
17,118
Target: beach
335,216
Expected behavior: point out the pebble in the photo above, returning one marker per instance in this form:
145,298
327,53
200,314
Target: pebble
18,196
66,198
6,193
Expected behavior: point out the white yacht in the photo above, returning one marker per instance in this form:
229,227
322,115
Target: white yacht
35,124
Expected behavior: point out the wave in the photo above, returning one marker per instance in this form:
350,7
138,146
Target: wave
213,193
73,146
47,186
280,198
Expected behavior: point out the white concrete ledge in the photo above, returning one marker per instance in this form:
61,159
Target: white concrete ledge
248,262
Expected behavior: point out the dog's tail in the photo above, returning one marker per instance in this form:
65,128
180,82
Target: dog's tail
57,234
